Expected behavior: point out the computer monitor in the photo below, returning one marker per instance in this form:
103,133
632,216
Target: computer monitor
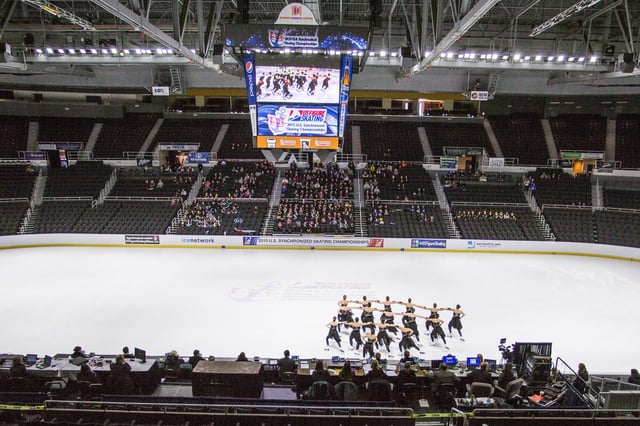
47,361
30,359
295,358
273,362
140,354
435,363
492,364
449,360
473,361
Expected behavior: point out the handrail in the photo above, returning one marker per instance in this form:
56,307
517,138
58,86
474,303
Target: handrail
457,413
488,204
590,391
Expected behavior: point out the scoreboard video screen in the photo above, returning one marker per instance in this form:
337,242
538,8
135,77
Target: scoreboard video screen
296,104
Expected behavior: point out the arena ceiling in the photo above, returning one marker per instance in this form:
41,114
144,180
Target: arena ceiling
565,38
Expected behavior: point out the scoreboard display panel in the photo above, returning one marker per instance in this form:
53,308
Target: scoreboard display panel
296,101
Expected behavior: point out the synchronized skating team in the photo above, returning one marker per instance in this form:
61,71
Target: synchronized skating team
376,333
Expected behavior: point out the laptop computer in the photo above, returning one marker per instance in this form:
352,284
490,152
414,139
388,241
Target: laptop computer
30,359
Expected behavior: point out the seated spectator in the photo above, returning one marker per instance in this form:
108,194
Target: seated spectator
634,378
481,374
319,373
242,357
86,374
196,358
286,364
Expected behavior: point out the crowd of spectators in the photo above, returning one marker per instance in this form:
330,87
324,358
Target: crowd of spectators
210,214
238,180
328,182
380,213
393,181
321,216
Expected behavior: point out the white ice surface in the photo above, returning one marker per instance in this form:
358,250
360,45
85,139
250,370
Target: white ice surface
263,301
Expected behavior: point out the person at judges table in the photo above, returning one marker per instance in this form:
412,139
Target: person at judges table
18,369
119,381
376,372
634,377
242,357
86,374
320,374
346,373
173,361
196,358
79,353
333,332
286,364
443,377
506,376
481,375
126,354
456,321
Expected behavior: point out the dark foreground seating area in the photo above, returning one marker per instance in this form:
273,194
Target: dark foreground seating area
150,390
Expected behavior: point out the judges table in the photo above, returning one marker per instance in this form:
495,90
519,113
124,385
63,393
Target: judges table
424,375
238,379
146,375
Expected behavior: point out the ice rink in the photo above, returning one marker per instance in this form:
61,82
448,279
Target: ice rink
225,301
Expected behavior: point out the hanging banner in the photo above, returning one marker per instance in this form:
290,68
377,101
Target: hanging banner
345,87
250,80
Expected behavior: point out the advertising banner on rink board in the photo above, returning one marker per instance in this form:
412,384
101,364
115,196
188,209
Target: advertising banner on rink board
296,142
313,241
